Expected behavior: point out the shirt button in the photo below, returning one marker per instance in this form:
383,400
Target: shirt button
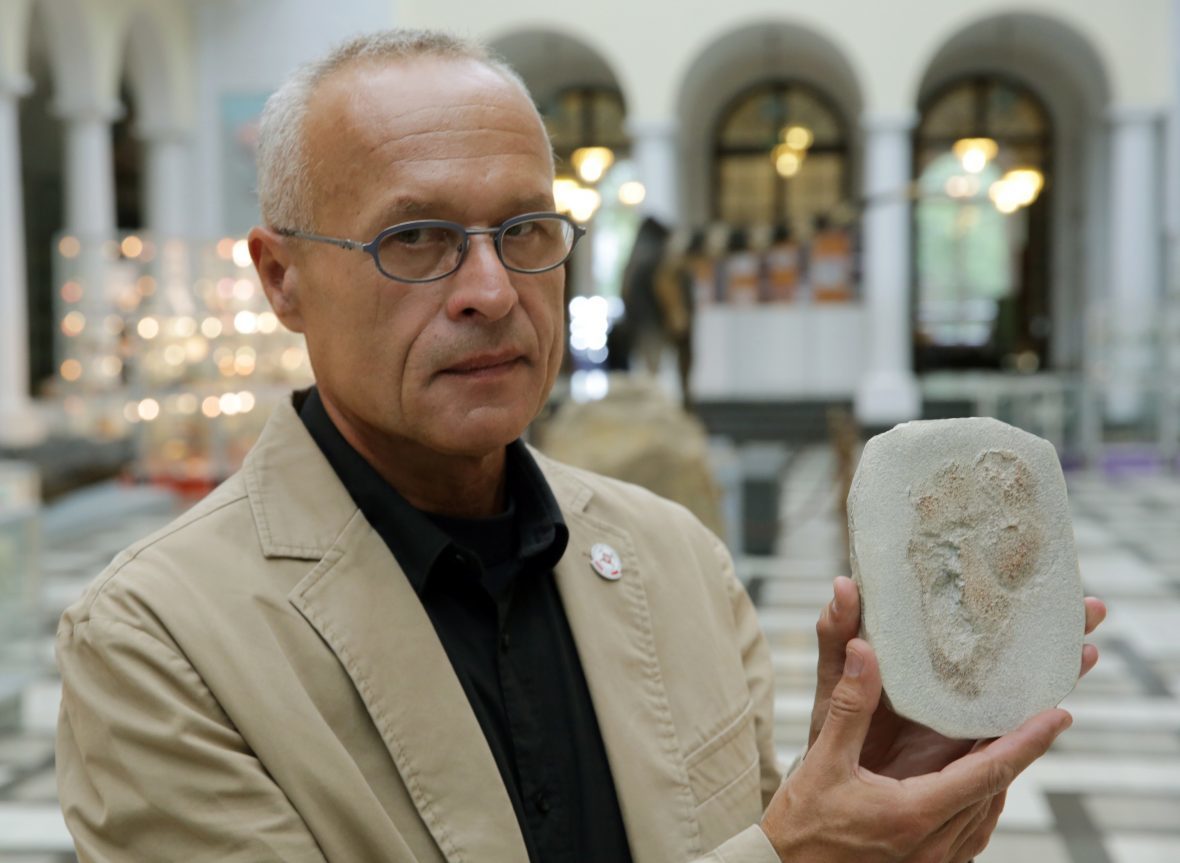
543,804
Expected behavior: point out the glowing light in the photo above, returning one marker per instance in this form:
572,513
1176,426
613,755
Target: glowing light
244,361
149,409
787,161
225,248
241,254
246,323
247,401
268,322
71,370
131,412
211,407
632,193
960,186
243,289
73,323
186,403
591,162
71,291
148,328
184,326
230,404
110,366
1026,184
131,247
582,203
798,137
196,349
69,247
174,355
211,328
291,359
975,153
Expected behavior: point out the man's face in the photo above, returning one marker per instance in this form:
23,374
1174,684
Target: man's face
459,366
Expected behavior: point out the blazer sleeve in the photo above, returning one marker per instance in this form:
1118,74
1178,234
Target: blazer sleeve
149,767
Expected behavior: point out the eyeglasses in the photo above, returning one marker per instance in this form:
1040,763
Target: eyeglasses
432,249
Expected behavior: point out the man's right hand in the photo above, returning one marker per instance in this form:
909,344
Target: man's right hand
832,810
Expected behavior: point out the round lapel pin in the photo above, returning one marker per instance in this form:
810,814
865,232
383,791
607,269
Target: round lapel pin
605,561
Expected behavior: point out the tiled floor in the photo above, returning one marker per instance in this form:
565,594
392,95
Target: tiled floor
1109,792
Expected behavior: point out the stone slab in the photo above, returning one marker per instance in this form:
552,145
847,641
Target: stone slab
963,550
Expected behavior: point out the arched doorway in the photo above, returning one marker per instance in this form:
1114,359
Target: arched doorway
1000,282
982,247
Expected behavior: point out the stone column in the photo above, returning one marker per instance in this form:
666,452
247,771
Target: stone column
655,151
888,391
1135,258
89,173
20,424
168,171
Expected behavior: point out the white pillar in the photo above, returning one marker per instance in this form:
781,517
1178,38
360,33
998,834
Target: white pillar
1135,257
888,391
20,424
654,149
89,174
168,170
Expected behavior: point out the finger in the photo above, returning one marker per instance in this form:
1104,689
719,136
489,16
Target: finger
838,623
850,711
973,841
1095,613
991,769
1089,658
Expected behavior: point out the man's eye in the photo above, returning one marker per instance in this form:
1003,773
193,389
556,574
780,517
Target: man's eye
412,237
521,230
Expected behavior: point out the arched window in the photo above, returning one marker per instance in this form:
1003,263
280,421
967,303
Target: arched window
585,117
780,157
983,168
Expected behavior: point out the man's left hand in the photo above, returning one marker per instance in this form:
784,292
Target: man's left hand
895,747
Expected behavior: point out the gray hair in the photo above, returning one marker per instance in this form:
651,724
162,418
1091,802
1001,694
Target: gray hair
283,181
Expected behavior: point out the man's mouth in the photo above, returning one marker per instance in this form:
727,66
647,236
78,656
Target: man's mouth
486,363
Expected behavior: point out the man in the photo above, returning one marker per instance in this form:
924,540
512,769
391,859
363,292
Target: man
398,634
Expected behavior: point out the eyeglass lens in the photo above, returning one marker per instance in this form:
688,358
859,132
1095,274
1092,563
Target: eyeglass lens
418,253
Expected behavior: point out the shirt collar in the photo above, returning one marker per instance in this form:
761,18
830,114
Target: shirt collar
418,544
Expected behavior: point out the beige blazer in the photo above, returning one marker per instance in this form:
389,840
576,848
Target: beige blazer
258,682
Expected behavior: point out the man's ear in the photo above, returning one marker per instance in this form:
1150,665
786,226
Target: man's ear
273,261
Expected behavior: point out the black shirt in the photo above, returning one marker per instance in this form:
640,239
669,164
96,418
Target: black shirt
488,587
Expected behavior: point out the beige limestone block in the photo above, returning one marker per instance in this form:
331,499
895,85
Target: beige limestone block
639,435
963,550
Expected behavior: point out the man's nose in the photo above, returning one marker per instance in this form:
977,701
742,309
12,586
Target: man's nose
481,286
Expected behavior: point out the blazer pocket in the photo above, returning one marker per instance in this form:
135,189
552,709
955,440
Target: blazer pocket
727,756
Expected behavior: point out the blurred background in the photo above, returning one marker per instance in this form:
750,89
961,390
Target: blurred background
808,222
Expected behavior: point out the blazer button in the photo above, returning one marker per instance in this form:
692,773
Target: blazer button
543,804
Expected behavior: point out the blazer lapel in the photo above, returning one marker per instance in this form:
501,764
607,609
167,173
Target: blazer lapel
611,623
364,608
359,601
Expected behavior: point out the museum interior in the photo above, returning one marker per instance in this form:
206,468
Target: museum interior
806,223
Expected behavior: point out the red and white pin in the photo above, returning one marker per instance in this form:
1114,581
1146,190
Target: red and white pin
605,561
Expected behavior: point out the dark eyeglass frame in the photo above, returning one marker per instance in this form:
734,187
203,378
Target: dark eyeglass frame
496,233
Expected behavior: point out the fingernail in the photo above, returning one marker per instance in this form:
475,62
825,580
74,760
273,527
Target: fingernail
854,663
835,600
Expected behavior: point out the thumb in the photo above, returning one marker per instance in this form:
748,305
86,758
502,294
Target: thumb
850,711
